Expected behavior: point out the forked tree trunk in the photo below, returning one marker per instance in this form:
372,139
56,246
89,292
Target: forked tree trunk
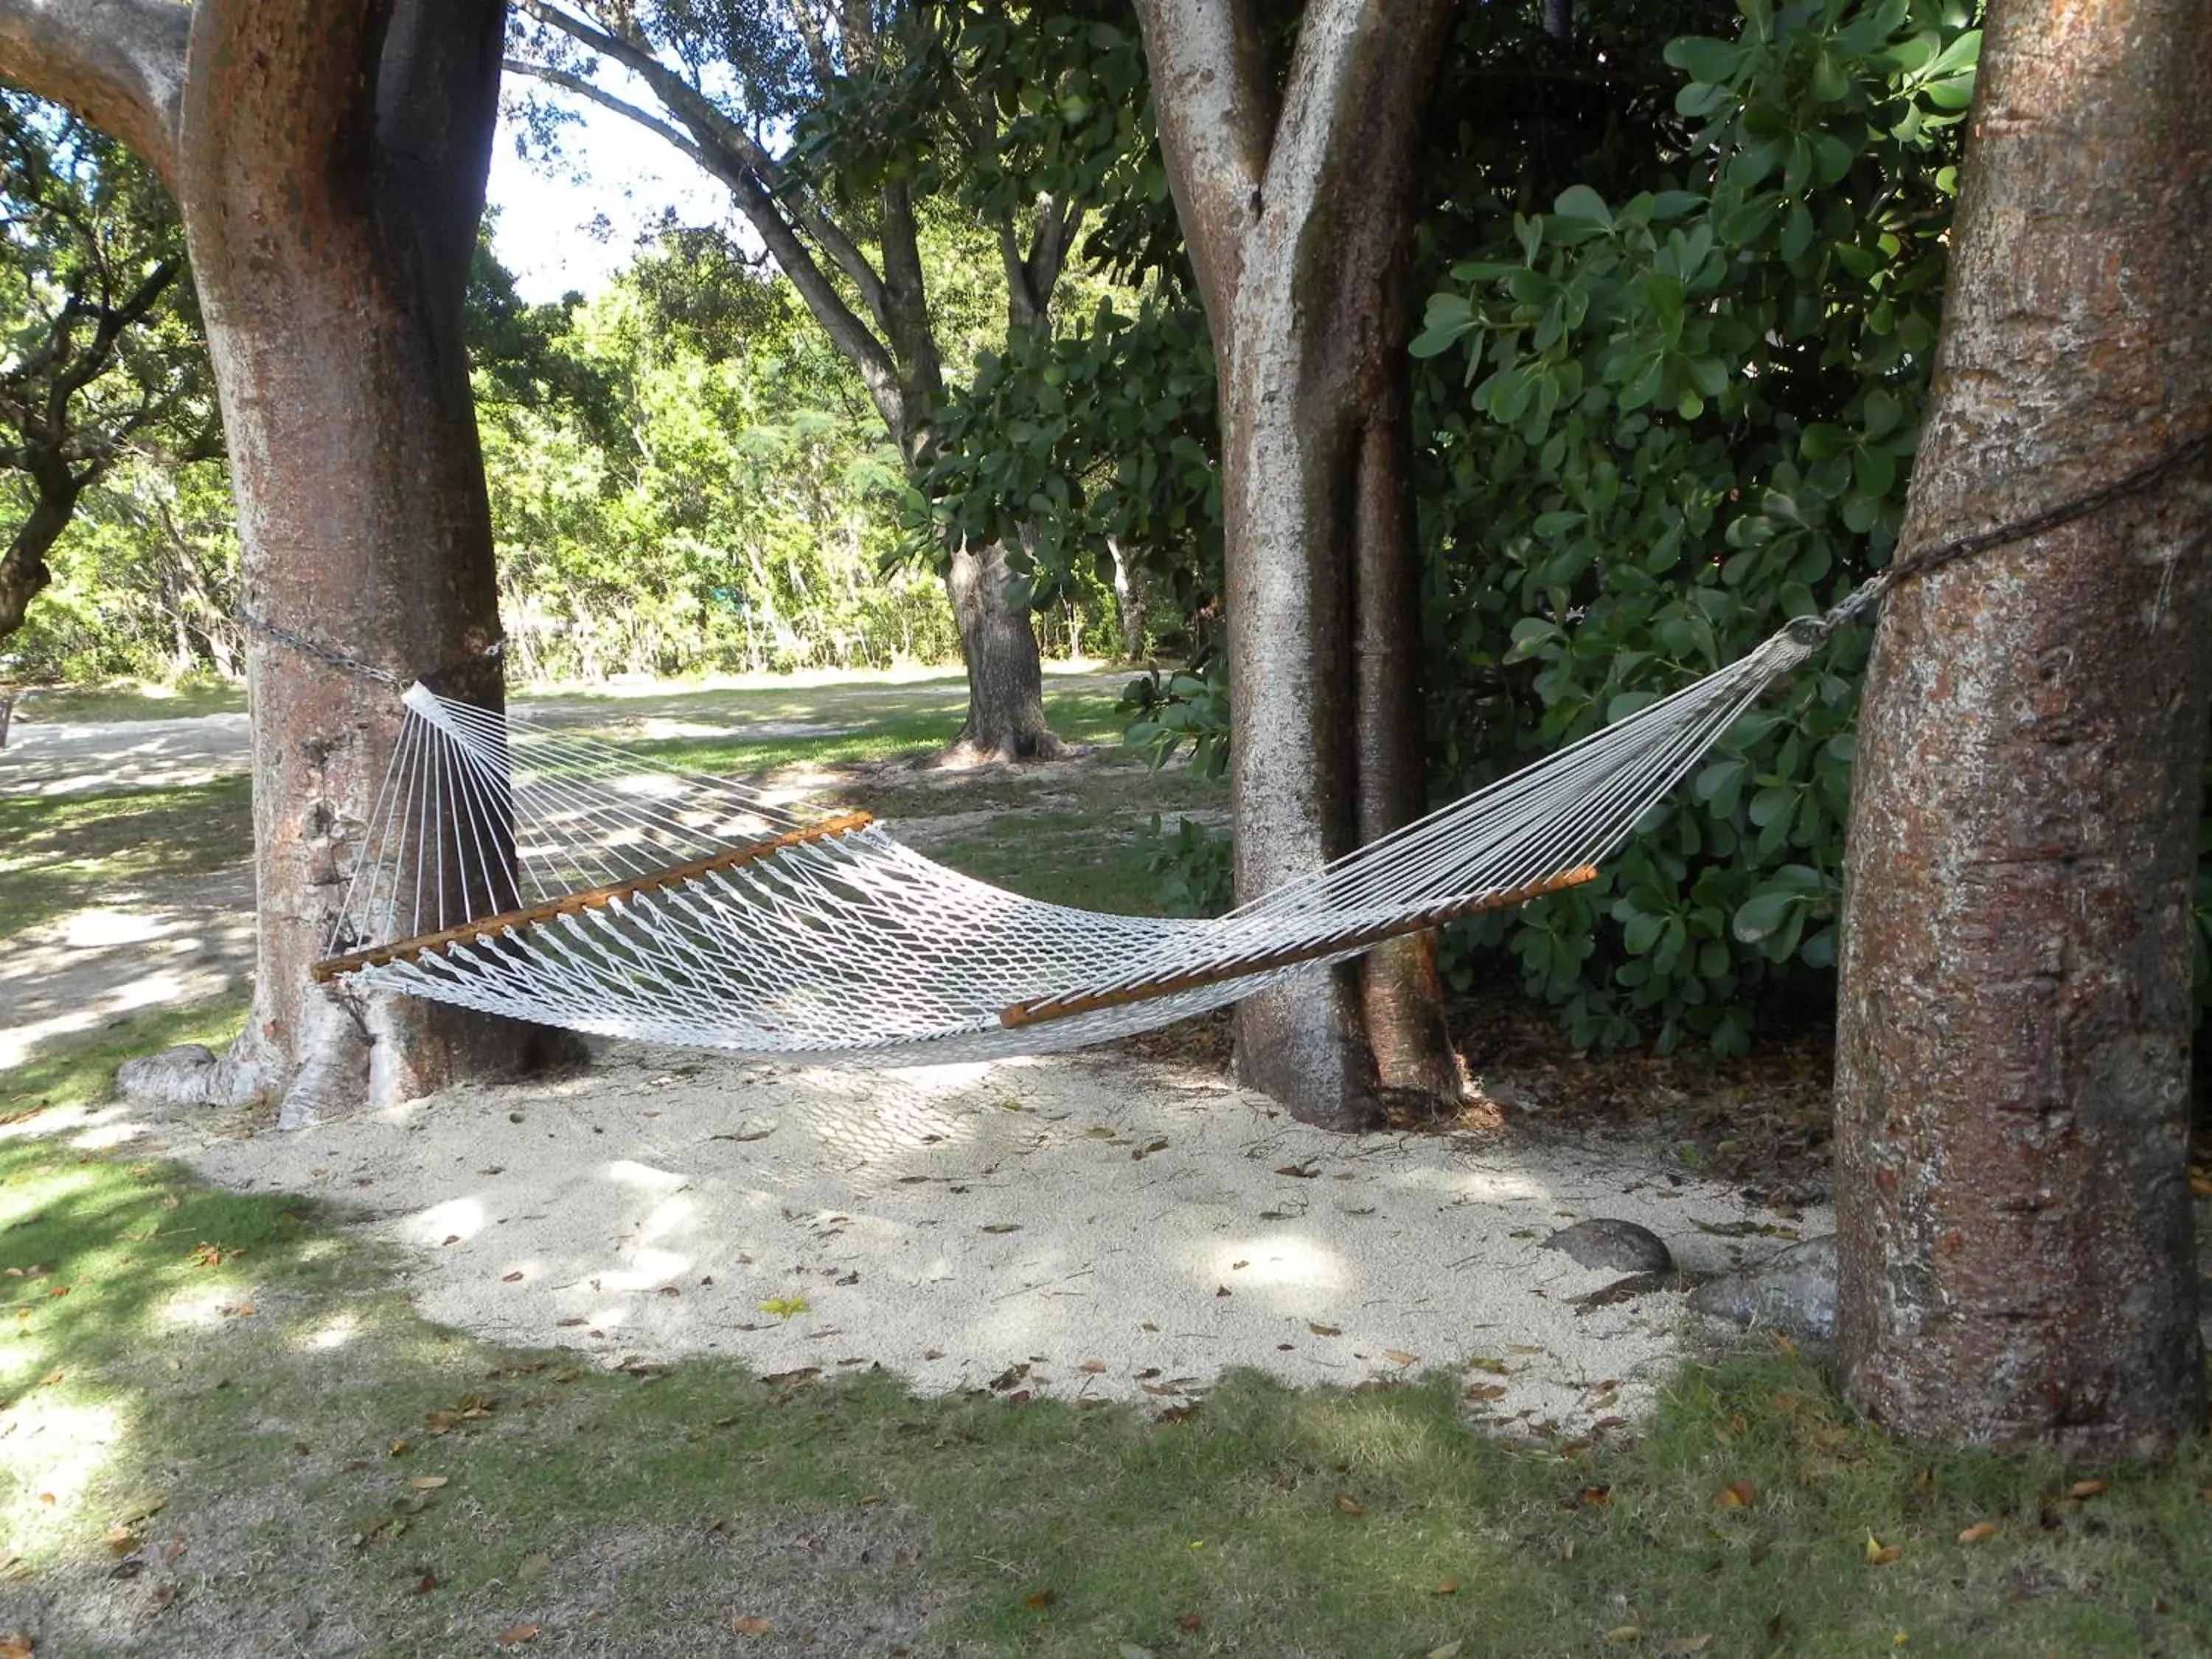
2012,1081
1297,205
329,162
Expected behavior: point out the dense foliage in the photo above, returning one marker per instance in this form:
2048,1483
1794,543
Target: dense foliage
1689,414
103,382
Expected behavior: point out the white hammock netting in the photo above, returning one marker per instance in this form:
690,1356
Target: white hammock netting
520,870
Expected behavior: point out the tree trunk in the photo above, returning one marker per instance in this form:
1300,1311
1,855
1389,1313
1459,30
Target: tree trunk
1297,223
329,163
1005,675
2012,1079
23,570
1128,603
363,521
1400,993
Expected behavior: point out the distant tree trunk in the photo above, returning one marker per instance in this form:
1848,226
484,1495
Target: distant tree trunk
2012,1079
1128,602
1006,673
328,163
1297,205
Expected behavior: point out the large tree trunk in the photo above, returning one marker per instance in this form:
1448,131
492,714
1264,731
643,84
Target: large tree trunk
363,521
2012,1079
1297,223
329,163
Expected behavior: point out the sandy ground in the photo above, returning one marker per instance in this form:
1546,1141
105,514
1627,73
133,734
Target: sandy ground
1094,1227
1098,1226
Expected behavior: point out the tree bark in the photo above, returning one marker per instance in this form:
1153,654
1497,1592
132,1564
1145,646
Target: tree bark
1297,223
2012,1082
329,164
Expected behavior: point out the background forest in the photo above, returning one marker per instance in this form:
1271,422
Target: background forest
1682,267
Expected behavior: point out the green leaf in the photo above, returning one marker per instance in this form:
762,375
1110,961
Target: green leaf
1581,202
1766,912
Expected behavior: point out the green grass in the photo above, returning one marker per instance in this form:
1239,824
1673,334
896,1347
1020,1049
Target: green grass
325,1454
61,853
129,700
899,728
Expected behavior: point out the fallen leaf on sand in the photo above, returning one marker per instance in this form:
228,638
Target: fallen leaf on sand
1094,1366
1324,1330
1400,1357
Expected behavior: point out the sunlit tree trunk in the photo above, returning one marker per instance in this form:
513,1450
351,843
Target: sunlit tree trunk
329,162
1296,195
2012,1056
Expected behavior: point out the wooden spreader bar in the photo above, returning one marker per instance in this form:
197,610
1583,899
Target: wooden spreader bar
1036,1010
590,898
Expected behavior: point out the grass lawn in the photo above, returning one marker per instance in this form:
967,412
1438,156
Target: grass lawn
226,1431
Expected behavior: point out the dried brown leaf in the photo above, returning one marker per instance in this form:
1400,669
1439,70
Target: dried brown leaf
515,1634
751,1625
1979,1531
1350,1504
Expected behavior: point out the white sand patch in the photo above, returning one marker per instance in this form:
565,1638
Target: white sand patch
97,965
1090,1227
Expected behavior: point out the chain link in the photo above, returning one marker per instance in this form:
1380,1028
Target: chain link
352,665
1871,591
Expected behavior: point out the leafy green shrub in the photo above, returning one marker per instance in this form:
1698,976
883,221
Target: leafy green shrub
1681,419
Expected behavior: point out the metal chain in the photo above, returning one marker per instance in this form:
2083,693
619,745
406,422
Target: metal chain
352,665
1871,591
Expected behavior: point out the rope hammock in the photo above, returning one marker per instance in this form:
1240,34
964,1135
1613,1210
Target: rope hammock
520,870
517,869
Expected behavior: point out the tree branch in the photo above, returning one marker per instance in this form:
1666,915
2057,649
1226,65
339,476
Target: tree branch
590,92
118,64
1216,107
728,152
